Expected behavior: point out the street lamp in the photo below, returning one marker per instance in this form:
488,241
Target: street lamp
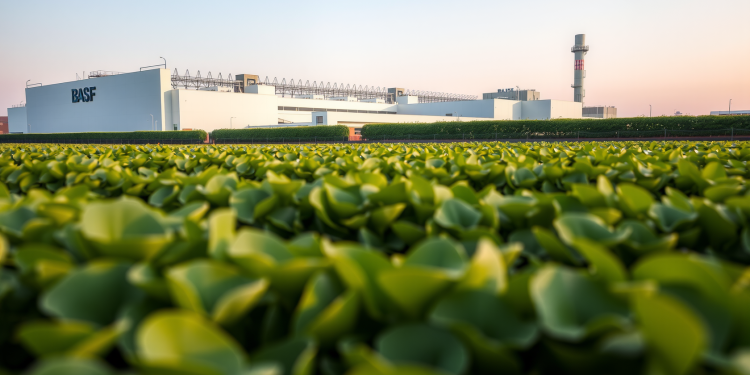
27,83
165,62
230,122
152,122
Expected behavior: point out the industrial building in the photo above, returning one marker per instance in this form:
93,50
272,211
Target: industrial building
3,124
163,100
158,99
740,112
600,112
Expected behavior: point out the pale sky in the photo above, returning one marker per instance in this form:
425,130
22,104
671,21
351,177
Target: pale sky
690,56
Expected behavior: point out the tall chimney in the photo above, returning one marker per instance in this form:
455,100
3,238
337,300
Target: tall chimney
579,49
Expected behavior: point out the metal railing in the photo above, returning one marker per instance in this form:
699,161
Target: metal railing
103,73
579,48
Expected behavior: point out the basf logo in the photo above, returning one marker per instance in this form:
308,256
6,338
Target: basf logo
85,94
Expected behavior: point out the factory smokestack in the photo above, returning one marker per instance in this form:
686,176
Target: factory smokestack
579,49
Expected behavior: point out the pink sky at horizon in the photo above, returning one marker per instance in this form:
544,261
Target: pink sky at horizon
689,56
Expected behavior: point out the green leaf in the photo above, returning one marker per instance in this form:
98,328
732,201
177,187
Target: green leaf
425,345
95,293
359,269
184,341
70,366
672,331
602,263
487,269
634,200
572,306
295,356
670,219
438,253
258,252
124,228
221,232
457,214
245,203
214,288
572,227
554,248
325,310
492,316
714,171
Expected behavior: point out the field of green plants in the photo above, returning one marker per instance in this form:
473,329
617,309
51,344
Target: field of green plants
373,259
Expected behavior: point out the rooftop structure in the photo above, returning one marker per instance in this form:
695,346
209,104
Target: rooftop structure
511,94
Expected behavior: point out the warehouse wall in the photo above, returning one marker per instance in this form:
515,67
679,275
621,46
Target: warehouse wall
211,110
17,120
550,109
359,119
469,108
565,109
122,102
536,110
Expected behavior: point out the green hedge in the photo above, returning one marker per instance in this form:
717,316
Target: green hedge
155,136
559,127
285,132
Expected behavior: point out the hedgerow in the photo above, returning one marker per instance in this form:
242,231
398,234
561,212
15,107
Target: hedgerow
305,132
154,136
557,127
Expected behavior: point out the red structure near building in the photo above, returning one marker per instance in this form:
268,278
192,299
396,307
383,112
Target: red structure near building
4,125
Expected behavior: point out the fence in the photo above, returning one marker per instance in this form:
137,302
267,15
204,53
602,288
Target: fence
103,141
664,134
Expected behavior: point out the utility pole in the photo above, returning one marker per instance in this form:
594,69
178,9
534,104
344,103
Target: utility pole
152,122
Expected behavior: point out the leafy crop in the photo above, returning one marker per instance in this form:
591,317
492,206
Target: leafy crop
196,136
472,258
559,127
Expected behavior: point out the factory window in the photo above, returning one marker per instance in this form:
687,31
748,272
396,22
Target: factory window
318,119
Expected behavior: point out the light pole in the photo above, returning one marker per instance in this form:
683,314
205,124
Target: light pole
730,107
152,122
230,122
165,62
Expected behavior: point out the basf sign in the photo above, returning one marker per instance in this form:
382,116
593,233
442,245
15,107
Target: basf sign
85,94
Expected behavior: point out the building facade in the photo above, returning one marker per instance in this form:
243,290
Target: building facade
154,100
600,112
510,94
741,112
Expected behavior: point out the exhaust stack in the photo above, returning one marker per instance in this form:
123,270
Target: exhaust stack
579,49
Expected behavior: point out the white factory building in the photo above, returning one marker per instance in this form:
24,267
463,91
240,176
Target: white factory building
159,99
